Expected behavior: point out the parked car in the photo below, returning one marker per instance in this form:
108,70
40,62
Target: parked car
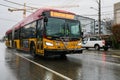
95,42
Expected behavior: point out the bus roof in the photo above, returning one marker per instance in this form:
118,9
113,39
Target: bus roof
35,16
8,31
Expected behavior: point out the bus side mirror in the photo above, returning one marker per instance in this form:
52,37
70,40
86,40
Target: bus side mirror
45,19
82,34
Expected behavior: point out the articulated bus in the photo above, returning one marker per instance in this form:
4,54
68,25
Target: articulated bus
47,32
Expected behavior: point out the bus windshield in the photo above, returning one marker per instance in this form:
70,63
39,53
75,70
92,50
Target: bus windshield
62,28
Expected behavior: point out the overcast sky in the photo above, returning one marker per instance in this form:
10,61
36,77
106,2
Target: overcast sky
8,19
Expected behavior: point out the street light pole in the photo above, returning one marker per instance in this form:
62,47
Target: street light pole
99,16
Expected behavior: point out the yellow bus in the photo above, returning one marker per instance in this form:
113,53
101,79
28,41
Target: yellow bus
47,32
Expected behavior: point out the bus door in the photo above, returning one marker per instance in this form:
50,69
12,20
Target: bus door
40,37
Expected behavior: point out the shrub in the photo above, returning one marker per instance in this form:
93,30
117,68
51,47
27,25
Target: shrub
116,36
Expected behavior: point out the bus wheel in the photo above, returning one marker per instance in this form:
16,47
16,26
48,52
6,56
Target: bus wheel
63,56
33,50
87,48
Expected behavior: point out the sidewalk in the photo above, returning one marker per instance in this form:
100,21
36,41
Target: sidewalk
115,51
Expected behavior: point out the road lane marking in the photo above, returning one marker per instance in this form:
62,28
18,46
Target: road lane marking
61,75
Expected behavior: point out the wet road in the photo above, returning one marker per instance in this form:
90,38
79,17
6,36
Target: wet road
91,65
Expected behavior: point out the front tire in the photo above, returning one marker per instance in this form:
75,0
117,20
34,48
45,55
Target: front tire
63,56
87,48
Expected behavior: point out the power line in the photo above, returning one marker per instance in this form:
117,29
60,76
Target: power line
12,7
104,13
22,9
6,6
37,8
20,4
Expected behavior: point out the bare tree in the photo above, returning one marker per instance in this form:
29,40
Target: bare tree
116,31
108,25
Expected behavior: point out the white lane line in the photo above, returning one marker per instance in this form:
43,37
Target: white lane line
61,75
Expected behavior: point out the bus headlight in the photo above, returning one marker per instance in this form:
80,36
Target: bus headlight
79,44
49,44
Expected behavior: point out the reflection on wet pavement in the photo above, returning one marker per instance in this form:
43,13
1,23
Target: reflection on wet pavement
86,66
25,70
94,68
5,71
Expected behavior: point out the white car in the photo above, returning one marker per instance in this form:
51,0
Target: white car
94,42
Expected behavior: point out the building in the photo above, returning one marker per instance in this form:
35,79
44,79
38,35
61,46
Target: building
117,13
103,30
87,25
90,26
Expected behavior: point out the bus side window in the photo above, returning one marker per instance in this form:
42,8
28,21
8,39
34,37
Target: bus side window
10,36
6,37
29,30
22,33
17,34
32,29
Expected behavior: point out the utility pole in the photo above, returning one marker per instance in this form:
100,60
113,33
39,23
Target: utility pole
99,17
24,11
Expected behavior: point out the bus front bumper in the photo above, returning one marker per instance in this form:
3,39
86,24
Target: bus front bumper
59,52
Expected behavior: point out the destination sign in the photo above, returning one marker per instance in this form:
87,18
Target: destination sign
61,15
